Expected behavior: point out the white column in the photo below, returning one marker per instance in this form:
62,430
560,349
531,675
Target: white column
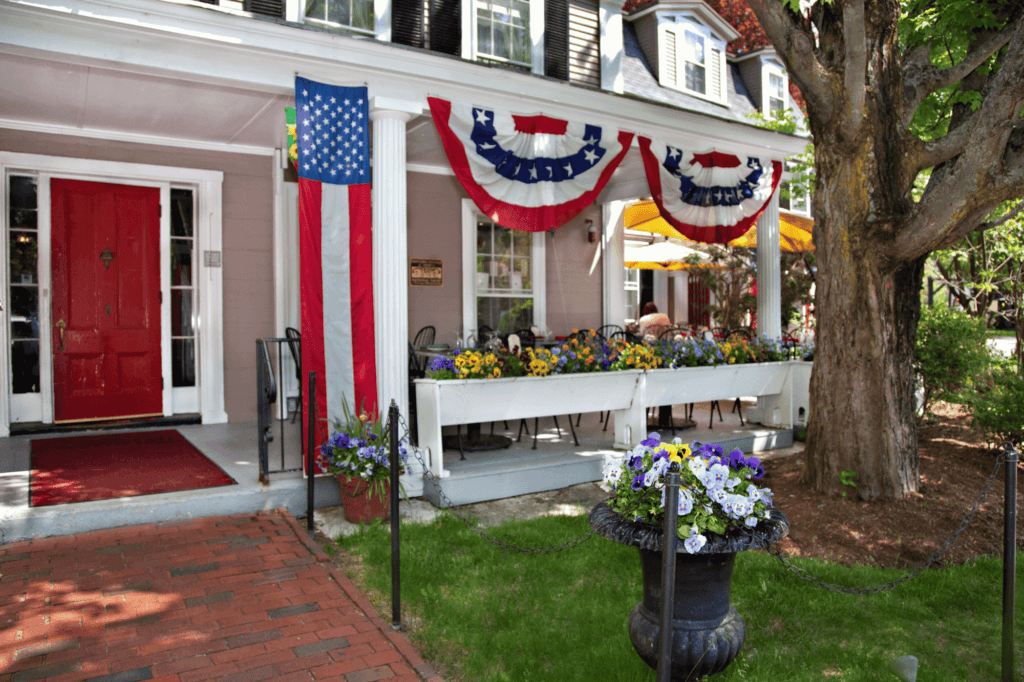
769,287
390,250
613,277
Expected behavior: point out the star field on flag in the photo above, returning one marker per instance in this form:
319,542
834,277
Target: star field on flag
333,129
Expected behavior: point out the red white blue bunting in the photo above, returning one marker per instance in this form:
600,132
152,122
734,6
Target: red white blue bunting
529,173
709,197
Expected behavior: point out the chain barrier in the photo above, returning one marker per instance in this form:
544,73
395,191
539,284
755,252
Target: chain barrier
448,506
935,558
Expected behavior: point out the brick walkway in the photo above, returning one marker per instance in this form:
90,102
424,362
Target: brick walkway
231,599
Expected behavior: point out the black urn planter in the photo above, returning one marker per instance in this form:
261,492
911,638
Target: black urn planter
707,632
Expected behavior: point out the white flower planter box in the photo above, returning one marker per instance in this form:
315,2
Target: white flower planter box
720,382
466,401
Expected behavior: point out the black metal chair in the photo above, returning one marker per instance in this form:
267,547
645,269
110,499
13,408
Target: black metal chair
628,337
607,330
527,339
424,337
295,346
737,406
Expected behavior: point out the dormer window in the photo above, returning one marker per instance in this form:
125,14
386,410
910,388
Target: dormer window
691,58
503,31
774,88
349,14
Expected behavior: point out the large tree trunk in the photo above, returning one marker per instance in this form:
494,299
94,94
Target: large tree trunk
867,303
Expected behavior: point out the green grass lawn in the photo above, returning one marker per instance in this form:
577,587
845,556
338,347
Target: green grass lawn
483,614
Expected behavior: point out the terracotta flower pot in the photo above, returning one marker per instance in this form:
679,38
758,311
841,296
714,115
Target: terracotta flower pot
360,506
707,632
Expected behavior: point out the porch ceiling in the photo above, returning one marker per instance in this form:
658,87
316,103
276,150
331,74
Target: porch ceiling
101,100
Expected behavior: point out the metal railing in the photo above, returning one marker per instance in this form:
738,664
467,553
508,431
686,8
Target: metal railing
270,394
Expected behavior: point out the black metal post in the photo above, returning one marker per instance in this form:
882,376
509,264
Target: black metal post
310,447
396,592
668,573
1009,558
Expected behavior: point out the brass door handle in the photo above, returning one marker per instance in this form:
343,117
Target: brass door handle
61,324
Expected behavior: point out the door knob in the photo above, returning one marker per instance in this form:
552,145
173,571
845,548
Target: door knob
61,324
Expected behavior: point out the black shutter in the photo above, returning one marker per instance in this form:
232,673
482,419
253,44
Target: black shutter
267,8
556,39
446,26
407,22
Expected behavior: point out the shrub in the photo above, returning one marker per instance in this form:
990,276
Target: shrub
950,352
997,402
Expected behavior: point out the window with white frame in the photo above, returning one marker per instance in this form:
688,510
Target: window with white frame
23,235
694,62
692,59
632,287
352,14
775,90
503,276
503,31
793,198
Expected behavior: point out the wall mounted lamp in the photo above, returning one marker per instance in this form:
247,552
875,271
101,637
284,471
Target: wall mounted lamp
591,231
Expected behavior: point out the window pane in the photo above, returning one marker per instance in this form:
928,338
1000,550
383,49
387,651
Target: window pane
504,314
316,9
483,36
25,310
502,48
181,213
501,268
774,106
694,78
521,274
25,366
24,258
183,362
503,241
784,193
483,238
339,12
181,312
775,85
23,192
181,262
521,242
694,48
362,14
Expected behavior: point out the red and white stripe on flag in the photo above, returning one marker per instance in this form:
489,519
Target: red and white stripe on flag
335,251
710,197
527,172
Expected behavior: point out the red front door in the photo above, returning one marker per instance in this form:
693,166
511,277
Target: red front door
106,300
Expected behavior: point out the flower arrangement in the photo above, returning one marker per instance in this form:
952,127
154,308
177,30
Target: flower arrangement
716,492
358,448
591,354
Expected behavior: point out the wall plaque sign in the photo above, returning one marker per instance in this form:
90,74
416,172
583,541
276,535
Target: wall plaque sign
425,272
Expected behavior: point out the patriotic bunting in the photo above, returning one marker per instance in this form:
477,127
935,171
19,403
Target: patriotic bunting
529,173
709,197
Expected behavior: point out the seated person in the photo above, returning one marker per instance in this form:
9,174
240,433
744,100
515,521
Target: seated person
653,323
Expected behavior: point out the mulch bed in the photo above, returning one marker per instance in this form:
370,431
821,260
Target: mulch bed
955,463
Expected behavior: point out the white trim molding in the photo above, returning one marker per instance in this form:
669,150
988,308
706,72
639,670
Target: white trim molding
208,225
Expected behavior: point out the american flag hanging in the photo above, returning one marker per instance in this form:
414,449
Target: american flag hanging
527,172
335,248
709,197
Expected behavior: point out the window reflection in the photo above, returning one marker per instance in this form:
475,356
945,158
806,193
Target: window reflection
23,265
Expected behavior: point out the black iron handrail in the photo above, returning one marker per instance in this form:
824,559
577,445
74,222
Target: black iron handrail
267,394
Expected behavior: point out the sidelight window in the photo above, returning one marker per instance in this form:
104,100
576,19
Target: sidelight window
23,249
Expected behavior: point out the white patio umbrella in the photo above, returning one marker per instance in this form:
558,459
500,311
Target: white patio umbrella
664,256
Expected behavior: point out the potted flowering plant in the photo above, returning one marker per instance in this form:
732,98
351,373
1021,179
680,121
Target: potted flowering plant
358,454
722,510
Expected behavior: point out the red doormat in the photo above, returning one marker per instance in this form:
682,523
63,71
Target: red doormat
83,468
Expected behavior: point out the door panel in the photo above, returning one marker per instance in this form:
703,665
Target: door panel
106,300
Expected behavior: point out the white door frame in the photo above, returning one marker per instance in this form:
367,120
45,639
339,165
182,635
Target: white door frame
209,284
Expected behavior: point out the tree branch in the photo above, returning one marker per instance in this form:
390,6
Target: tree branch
856,64
920,77
1005,219
796,48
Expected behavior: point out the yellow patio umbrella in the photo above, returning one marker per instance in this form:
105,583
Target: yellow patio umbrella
664,256
794,231
795,234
